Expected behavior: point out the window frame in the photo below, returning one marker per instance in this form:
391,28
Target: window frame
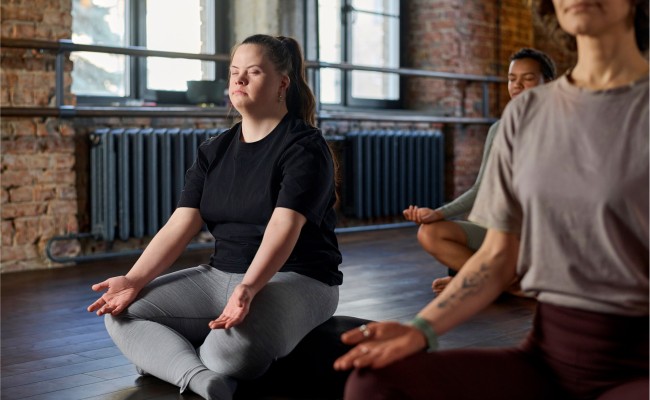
347,100
136,66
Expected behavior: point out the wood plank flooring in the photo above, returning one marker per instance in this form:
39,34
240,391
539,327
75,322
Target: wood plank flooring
53,349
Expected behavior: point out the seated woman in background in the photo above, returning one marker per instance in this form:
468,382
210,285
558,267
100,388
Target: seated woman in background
453,242
565,200
266,191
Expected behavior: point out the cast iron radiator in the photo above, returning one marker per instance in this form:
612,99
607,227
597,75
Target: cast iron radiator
137,175
136,178
387,170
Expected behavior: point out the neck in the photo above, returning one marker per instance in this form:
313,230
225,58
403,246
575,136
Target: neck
609,61
256,128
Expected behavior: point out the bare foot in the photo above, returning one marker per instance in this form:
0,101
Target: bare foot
438,285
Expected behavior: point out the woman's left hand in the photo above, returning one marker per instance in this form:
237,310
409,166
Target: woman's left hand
236,309
379,344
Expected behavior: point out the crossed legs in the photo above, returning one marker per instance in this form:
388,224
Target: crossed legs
452,243
161,330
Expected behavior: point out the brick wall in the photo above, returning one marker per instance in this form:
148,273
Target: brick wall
472,37
44,177
38,193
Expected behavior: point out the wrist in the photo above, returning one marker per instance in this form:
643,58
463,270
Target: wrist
425,328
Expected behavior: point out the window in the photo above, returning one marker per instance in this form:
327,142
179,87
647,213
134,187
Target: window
169,25
360,32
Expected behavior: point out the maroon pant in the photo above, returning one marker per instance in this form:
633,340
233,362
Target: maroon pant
569,354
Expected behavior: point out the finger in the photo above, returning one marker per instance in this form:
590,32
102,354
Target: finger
96,305
220,322
117,310
359,334
345,361
100,286
365,358
355,358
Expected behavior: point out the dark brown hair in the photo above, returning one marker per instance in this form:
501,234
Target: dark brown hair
546,64
286,55
546,11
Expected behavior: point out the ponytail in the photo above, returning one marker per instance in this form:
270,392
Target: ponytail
286,55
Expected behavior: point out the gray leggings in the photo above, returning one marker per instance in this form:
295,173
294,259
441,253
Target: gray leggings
165,331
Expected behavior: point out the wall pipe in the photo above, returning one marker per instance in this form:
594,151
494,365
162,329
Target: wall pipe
190,247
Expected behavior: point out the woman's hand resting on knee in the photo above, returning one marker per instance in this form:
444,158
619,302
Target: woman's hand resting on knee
379,344
236,310
422,215
120,292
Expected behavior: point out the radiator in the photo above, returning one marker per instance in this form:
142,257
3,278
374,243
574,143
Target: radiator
136,178
385,171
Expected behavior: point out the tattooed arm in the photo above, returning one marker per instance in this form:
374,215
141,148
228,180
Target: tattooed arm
479,282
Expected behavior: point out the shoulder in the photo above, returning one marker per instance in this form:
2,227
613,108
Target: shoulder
531,105
210,147
300,133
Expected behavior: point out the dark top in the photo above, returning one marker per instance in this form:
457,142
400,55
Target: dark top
236,186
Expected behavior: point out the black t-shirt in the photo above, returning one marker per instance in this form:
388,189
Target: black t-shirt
236,186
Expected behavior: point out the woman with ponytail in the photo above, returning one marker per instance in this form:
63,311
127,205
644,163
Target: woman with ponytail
265,189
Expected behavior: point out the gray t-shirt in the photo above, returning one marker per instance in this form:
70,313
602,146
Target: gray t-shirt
568,173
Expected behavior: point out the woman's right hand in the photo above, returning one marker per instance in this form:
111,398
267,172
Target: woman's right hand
379,344
422,215
120,292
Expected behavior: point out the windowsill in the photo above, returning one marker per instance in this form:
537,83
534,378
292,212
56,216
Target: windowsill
325,114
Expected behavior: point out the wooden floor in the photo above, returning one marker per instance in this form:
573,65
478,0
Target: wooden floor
53,349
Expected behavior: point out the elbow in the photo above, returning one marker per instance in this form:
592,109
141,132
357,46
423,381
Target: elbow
500,251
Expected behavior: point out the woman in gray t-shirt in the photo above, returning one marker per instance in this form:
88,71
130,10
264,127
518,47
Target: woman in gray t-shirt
565,200
452,242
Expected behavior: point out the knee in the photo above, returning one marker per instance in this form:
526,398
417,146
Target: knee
241,360
114,324
431,237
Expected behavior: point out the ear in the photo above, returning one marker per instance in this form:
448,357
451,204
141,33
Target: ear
284,83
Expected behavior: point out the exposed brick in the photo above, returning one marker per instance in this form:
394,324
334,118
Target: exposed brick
10,178
18,210
19,253
19,127
26,231
61,161
7,233
47,226
62,207
58,177
21,194
59,145
66,193
45,192
24,162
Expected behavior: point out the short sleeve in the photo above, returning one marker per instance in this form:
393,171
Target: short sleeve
496,205
307,184
194,179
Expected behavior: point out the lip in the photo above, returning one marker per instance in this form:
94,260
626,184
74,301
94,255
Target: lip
238,92
580,6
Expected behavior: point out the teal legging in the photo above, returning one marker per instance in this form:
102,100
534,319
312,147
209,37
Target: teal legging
165,331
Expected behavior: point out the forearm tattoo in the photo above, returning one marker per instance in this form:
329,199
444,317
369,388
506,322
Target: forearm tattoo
470,285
